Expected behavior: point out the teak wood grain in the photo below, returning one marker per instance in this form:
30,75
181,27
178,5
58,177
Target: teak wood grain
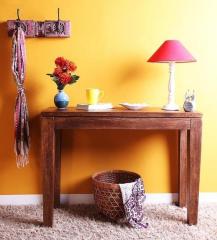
57,168
121,123
48,157
183,152
119,112
194,170
188,124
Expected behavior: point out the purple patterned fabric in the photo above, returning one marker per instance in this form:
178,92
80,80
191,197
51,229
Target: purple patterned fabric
133,195
21,124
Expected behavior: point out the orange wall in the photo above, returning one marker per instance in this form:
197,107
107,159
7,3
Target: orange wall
110,43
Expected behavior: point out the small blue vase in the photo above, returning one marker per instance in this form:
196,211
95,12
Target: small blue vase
61,99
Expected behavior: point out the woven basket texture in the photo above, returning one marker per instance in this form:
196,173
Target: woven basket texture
107,192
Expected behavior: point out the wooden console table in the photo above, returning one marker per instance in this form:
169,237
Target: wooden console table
189,126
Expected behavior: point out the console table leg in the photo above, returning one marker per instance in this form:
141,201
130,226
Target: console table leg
57,164
194,170
182,167
48,154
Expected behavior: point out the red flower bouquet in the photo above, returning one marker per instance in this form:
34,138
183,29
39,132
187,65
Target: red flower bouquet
64,73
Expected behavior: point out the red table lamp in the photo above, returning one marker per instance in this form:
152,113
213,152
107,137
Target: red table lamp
171,51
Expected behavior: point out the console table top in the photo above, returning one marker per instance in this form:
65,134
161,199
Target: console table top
119,112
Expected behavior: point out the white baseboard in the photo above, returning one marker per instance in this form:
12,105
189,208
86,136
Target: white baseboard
208,197
26,199
151,198
155,198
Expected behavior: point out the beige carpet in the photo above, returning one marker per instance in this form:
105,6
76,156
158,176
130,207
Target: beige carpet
83,222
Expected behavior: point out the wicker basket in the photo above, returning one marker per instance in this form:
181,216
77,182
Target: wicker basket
107,193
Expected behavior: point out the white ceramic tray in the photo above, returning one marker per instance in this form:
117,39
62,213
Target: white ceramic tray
134,106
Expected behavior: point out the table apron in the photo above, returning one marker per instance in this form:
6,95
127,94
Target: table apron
121,123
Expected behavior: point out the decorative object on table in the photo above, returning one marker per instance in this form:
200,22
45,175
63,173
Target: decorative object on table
50,28
94,107
21,117
171,51
61,100
63,74
134,106
93,95
120,196
190,103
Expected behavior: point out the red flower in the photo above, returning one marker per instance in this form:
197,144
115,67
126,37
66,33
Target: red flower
61,62
65,78
62,74
71,66
57,71
65,64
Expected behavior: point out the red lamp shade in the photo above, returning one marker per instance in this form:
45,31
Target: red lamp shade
172,51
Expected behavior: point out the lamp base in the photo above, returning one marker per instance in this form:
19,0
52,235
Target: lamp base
171,107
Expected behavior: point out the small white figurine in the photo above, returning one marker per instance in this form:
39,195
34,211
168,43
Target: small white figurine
189,104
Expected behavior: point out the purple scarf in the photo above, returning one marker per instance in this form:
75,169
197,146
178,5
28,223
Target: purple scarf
133,195
21,123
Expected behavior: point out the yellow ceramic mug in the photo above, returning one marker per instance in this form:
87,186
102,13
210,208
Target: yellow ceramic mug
93,95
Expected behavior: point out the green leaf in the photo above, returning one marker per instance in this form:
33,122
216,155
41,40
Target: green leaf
60,86
72,81
55,79
75,77
49,74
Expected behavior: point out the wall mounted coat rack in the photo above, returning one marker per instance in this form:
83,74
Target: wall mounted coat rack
33,29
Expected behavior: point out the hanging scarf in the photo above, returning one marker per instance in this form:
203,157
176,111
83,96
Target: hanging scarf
21,123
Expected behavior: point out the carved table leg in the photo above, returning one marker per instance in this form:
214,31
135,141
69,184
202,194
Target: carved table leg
182,167
48,155
194,170
57,169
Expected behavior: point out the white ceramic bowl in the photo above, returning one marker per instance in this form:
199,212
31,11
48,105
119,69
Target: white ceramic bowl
134,106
